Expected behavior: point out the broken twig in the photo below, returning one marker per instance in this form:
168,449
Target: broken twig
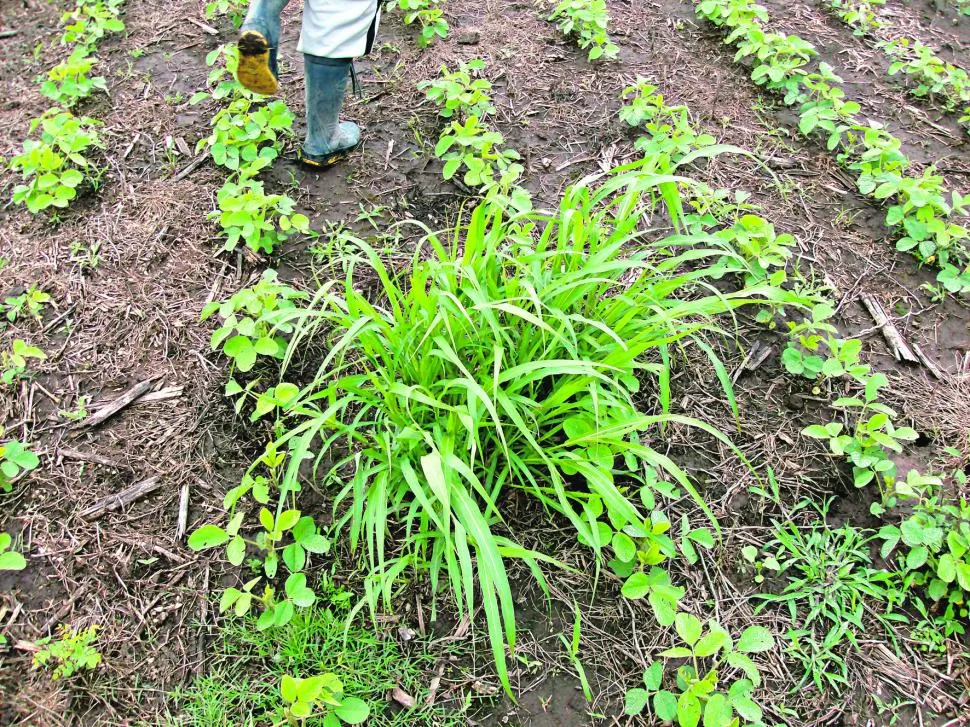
897,344
169,392
183,517
193,165
78,455
927,362
205,28
121,499
109,410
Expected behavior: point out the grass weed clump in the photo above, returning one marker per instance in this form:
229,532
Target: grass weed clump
831,586
243,686
511,355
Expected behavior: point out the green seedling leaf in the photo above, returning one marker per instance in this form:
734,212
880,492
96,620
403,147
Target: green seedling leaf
688,627
717,711
236,550
688,710
352,710
636,586
755,639
653,676
635,701
207,536
296,588
624,547
665,705
12,560
711,643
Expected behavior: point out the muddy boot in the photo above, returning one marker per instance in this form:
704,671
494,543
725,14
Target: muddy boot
259,40
328,139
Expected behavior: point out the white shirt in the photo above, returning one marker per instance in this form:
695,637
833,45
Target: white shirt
339,28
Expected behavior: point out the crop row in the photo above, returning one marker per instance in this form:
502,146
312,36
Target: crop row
56,165
53,168
244,137
427,14
927,544
929,75
923,210
247,130
585,20
930,543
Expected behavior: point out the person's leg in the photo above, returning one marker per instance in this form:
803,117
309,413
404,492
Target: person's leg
328,139
333,33
259,40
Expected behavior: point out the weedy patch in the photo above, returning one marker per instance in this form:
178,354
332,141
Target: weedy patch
525,361
830,585
503,364
246,684
70,652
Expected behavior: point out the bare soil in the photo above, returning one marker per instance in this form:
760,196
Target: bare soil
135,317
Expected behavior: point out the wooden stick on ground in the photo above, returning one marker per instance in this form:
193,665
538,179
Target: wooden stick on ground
183,517
60,318
77,454
193,165
125,497
897,344
927,362
109,410
64,610
205,28
169,392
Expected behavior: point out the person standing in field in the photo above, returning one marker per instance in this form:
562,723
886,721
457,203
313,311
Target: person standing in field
334,33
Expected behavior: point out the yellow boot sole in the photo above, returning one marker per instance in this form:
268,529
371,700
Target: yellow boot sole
327,160
253,71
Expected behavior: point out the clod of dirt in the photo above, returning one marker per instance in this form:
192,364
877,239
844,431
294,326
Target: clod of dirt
469,37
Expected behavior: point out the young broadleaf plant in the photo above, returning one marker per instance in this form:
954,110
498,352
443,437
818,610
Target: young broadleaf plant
701,690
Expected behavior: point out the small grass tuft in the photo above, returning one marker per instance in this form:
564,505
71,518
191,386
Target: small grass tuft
242,688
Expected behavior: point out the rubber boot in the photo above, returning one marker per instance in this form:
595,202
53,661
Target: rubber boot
328,140
259,40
